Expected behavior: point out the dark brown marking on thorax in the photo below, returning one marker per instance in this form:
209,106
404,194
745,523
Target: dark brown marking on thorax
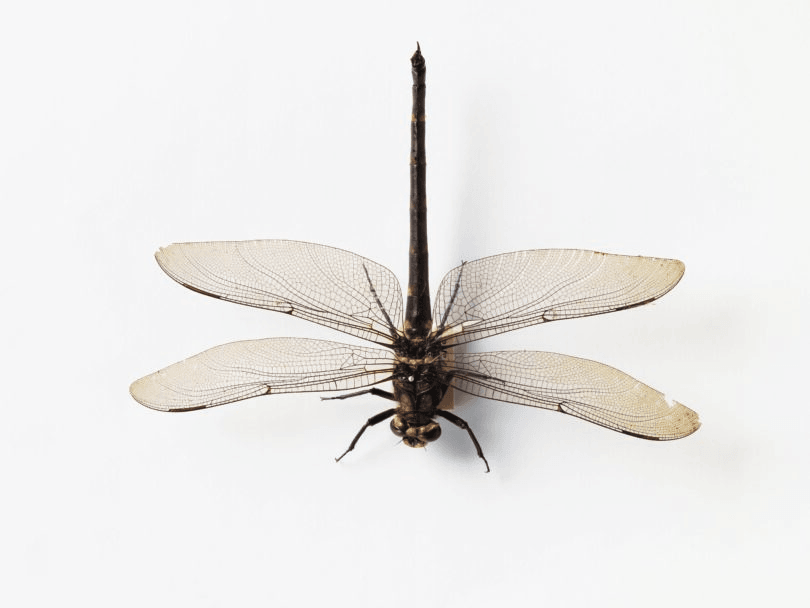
419,386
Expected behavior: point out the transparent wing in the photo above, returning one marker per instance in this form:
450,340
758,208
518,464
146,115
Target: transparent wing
241,370
505,292
325,285
586,389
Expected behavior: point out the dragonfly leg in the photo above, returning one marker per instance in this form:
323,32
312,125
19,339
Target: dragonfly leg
377,392
370,422
462,424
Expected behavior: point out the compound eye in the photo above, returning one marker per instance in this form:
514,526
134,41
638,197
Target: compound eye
431,433
398,426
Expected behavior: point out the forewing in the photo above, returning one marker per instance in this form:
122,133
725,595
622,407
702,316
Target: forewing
586,389
325,285
505,292
241,370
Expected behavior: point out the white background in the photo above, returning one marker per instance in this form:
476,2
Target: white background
629,127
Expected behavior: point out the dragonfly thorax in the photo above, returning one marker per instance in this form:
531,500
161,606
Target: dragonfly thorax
418,389
419,384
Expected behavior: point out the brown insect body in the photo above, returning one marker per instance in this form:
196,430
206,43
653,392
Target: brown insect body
419,384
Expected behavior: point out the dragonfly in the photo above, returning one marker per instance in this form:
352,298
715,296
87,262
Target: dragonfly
414,349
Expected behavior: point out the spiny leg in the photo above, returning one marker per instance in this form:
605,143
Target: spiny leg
377,392
462,424
371,422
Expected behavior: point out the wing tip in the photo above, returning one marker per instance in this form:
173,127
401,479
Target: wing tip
139,390
162,257
682,422
689,421
679,269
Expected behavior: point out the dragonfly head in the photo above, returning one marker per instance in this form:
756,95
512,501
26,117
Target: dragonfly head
415,435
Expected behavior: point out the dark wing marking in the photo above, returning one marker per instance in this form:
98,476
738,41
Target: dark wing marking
505,292
322,284
586,389
241,370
